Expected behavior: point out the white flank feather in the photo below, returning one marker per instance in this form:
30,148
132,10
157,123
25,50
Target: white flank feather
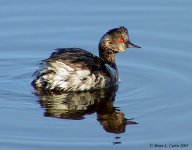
67,78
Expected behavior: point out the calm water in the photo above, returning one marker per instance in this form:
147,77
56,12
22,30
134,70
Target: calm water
155,88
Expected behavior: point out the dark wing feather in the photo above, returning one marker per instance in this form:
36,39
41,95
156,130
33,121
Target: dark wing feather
78,58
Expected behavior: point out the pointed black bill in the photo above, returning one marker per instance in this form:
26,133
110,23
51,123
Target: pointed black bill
131,45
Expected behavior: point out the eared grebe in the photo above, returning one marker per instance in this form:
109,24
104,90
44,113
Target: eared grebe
74,69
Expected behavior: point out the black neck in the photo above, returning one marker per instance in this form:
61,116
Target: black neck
107,55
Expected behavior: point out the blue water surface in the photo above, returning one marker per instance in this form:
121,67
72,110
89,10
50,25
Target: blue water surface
155,88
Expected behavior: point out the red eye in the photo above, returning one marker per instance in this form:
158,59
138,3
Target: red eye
121,40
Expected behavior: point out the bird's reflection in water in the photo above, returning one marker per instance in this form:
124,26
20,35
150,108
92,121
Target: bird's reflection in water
75,105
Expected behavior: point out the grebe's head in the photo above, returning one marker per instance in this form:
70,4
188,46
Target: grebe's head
116,40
